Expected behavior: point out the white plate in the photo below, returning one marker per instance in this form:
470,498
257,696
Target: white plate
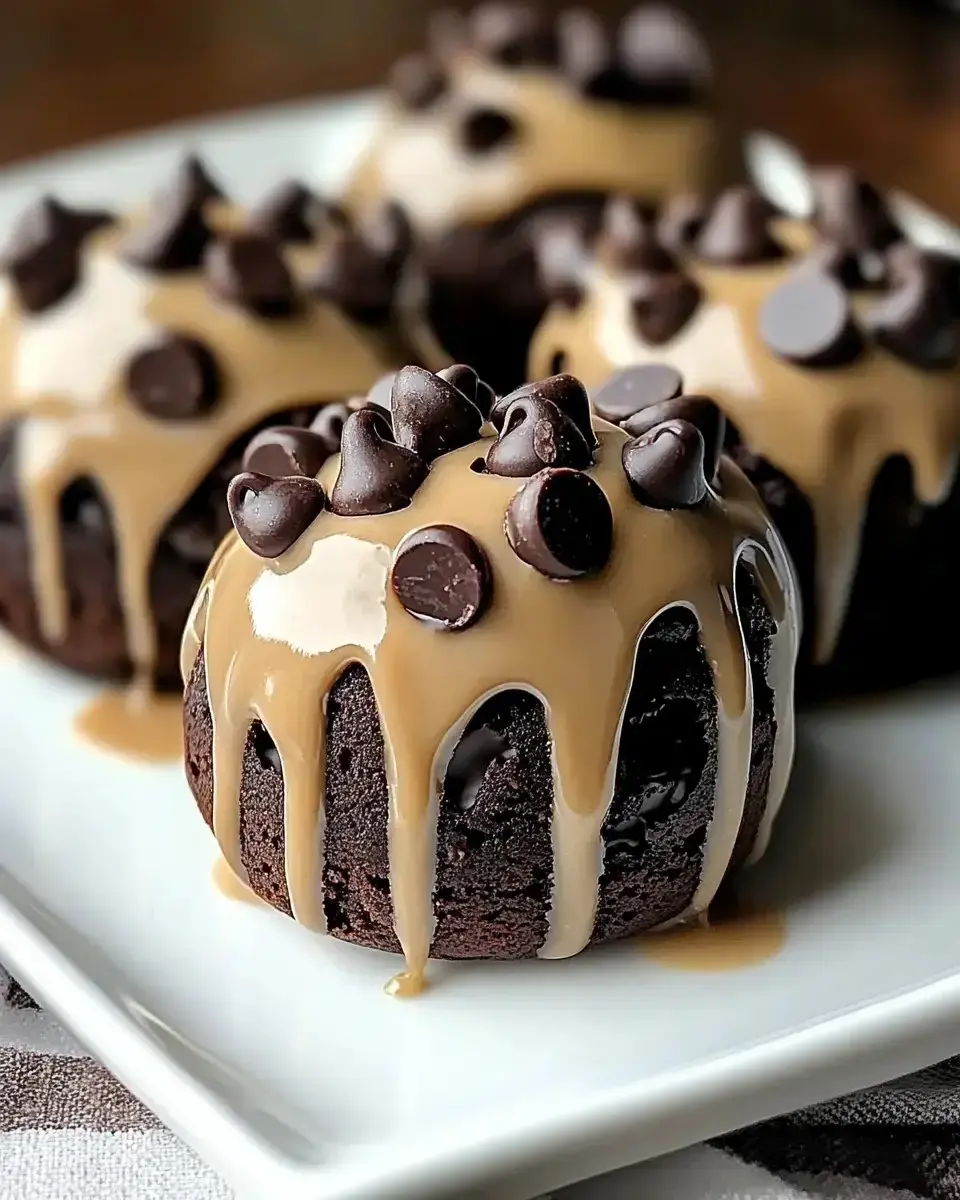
277,1055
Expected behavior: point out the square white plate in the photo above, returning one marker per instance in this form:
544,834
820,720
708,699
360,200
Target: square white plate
277,1055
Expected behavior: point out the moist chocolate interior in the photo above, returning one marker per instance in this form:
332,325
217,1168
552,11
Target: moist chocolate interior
494,859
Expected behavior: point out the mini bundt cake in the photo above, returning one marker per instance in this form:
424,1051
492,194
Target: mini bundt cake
833,347
510,118
136,359
501,681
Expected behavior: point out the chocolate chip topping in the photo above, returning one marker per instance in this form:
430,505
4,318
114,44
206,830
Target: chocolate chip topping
291,212
561,257
663,56
852,270
736,232
177,380
629,237
430,415
514,35
537,434
270,514
661,305
808,321
175,234
586,53
851,211
561,524
247,269
193,181
286,450
441,576
904,260
328,425
665,466
636,388
485,129
376,475
914,320
417,82
565,391
699,411
680,222
42,256
361,271
466,380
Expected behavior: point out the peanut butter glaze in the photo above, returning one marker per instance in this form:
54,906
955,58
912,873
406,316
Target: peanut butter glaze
277,634
62,377
830,430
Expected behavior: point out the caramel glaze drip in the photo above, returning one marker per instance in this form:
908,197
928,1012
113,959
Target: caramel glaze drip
417,158
77,421
570,643
829,430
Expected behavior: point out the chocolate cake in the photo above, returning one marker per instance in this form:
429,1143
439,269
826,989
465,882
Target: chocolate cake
833,347
509,119
500,681
137,357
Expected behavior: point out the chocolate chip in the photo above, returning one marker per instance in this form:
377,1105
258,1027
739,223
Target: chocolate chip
289,213
565,391
629,238
466,380
850,269
561,524
661,305
484,129
271,514
700,411
663,55
586,53
175,233
914,321
376,475
736,232
808,321
441,575
42,256
248,270
665,466
417,81
192,180
851,211
905,260
637,388
177,380
475,754
361,271
562,263
514,35
536,434
328,425
430,416
681,221
285,450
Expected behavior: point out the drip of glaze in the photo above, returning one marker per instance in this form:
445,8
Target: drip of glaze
228,883
721,941
135,723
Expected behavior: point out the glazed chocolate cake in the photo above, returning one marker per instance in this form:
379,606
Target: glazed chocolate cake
136,359
500,681
833,347
509,119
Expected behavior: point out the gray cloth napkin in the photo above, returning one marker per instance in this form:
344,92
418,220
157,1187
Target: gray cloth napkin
70,1131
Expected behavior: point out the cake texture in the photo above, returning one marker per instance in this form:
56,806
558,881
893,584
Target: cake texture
509,120
137,358
500,681
832,345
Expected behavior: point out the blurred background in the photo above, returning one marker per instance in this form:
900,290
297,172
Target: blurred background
872,82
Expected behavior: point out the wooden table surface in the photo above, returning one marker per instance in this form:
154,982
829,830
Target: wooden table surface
872,82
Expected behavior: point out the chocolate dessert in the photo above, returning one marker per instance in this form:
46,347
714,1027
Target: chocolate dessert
832,345
500,681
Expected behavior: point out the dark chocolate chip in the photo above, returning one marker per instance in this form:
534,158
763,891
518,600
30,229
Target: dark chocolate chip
537,434
905,260
328,425
361,271
808,321
247,269
663,56
289,213
484,129
271,514
178,379
430,415
700,411
586,52
562,260
665,466
681,221
914,321
441,575
192,180
417,81
736,232
637,388
630,240
42,256
175,233
565,391
850,268
285,450
475,753
466,380
561,524
661,305
514,35
376,475
851,211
